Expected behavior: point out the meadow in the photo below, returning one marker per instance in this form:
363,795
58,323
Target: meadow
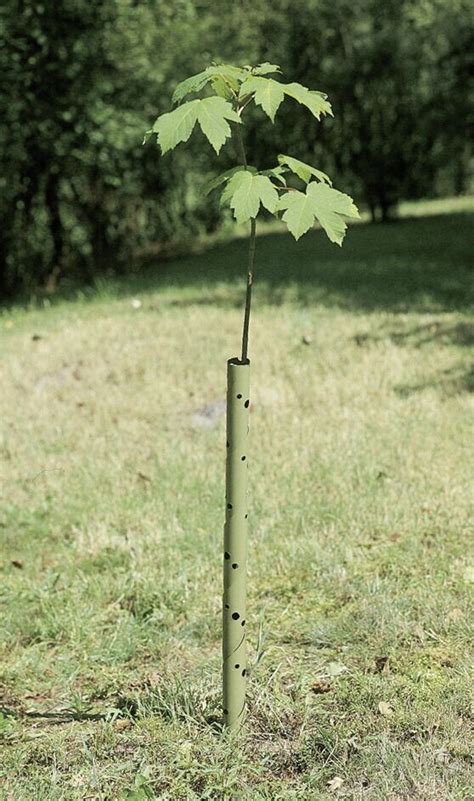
112,449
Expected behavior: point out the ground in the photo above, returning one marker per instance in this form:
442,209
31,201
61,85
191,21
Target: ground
112,449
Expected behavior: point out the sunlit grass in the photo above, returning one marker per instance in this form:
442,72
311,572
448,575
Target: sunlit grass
361,506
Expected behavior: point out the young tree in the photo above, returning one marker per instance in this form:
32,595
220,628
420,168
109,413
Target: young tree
248,190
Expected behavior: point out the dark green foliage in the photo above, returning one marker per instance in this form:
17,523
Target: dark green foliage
79,193
75,180
60,136
396,72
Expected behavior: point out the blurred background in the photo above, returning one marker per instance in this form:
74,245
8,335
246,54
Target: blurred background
82,80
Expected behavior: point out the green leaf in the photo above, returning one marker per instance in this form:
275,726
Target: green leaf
176,126
277,173
319,202
265,68
193,84
212,114
220,179
246,191
269,94
303,170
299,214
227,73
232,184
316,102
221,88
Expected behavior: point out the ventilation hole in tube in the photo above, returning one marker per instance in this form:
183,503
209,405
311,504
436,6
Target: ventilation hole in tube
229,506
227,606
246,516
243,621
247,404
226,555
234,565
239,396
243,458
227,444
244,672
235,615
236,667
226,711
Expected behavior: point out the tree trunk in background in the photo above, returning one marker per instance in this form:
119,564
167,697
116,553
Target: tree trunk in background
56,230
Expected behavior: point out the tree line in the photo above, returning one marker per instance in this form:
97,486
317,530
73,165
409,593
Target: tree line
83,79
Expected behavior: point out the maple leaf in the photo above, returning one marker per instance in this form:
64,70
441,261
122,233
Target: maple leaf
176,126
226,73
214,183
269,94
316,102
277,173
246,191
222,88
303,170
233,183
322,203
265,68
211,113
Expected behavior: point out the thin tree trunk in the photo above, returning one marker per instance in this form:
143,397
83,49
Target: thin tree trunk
251,260
56,230
248,294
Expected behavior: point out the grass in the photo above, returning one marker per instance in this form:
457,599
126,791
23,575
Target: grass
111,469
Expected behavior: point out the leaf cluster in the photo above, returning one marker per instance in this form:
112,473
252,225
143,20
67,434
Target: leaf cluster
245,188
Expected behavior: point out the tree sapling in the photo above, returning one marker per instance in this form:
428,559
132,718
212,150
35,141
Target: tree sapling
228,91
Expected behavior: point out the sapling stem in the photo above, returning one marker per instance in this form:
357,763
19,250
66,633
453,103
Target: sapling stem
246,191
240,146
248,294
251,257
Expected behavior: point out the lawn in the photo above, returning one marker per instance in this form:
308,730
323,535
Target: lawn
112,449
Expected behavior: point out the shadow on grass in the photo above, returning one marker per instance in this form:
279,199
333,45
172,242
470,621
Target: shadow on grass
439,331
421,264
455,380
54,718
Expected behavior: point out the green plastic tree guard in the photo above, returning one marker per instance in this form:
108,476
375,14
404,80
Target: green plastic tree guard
235,544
